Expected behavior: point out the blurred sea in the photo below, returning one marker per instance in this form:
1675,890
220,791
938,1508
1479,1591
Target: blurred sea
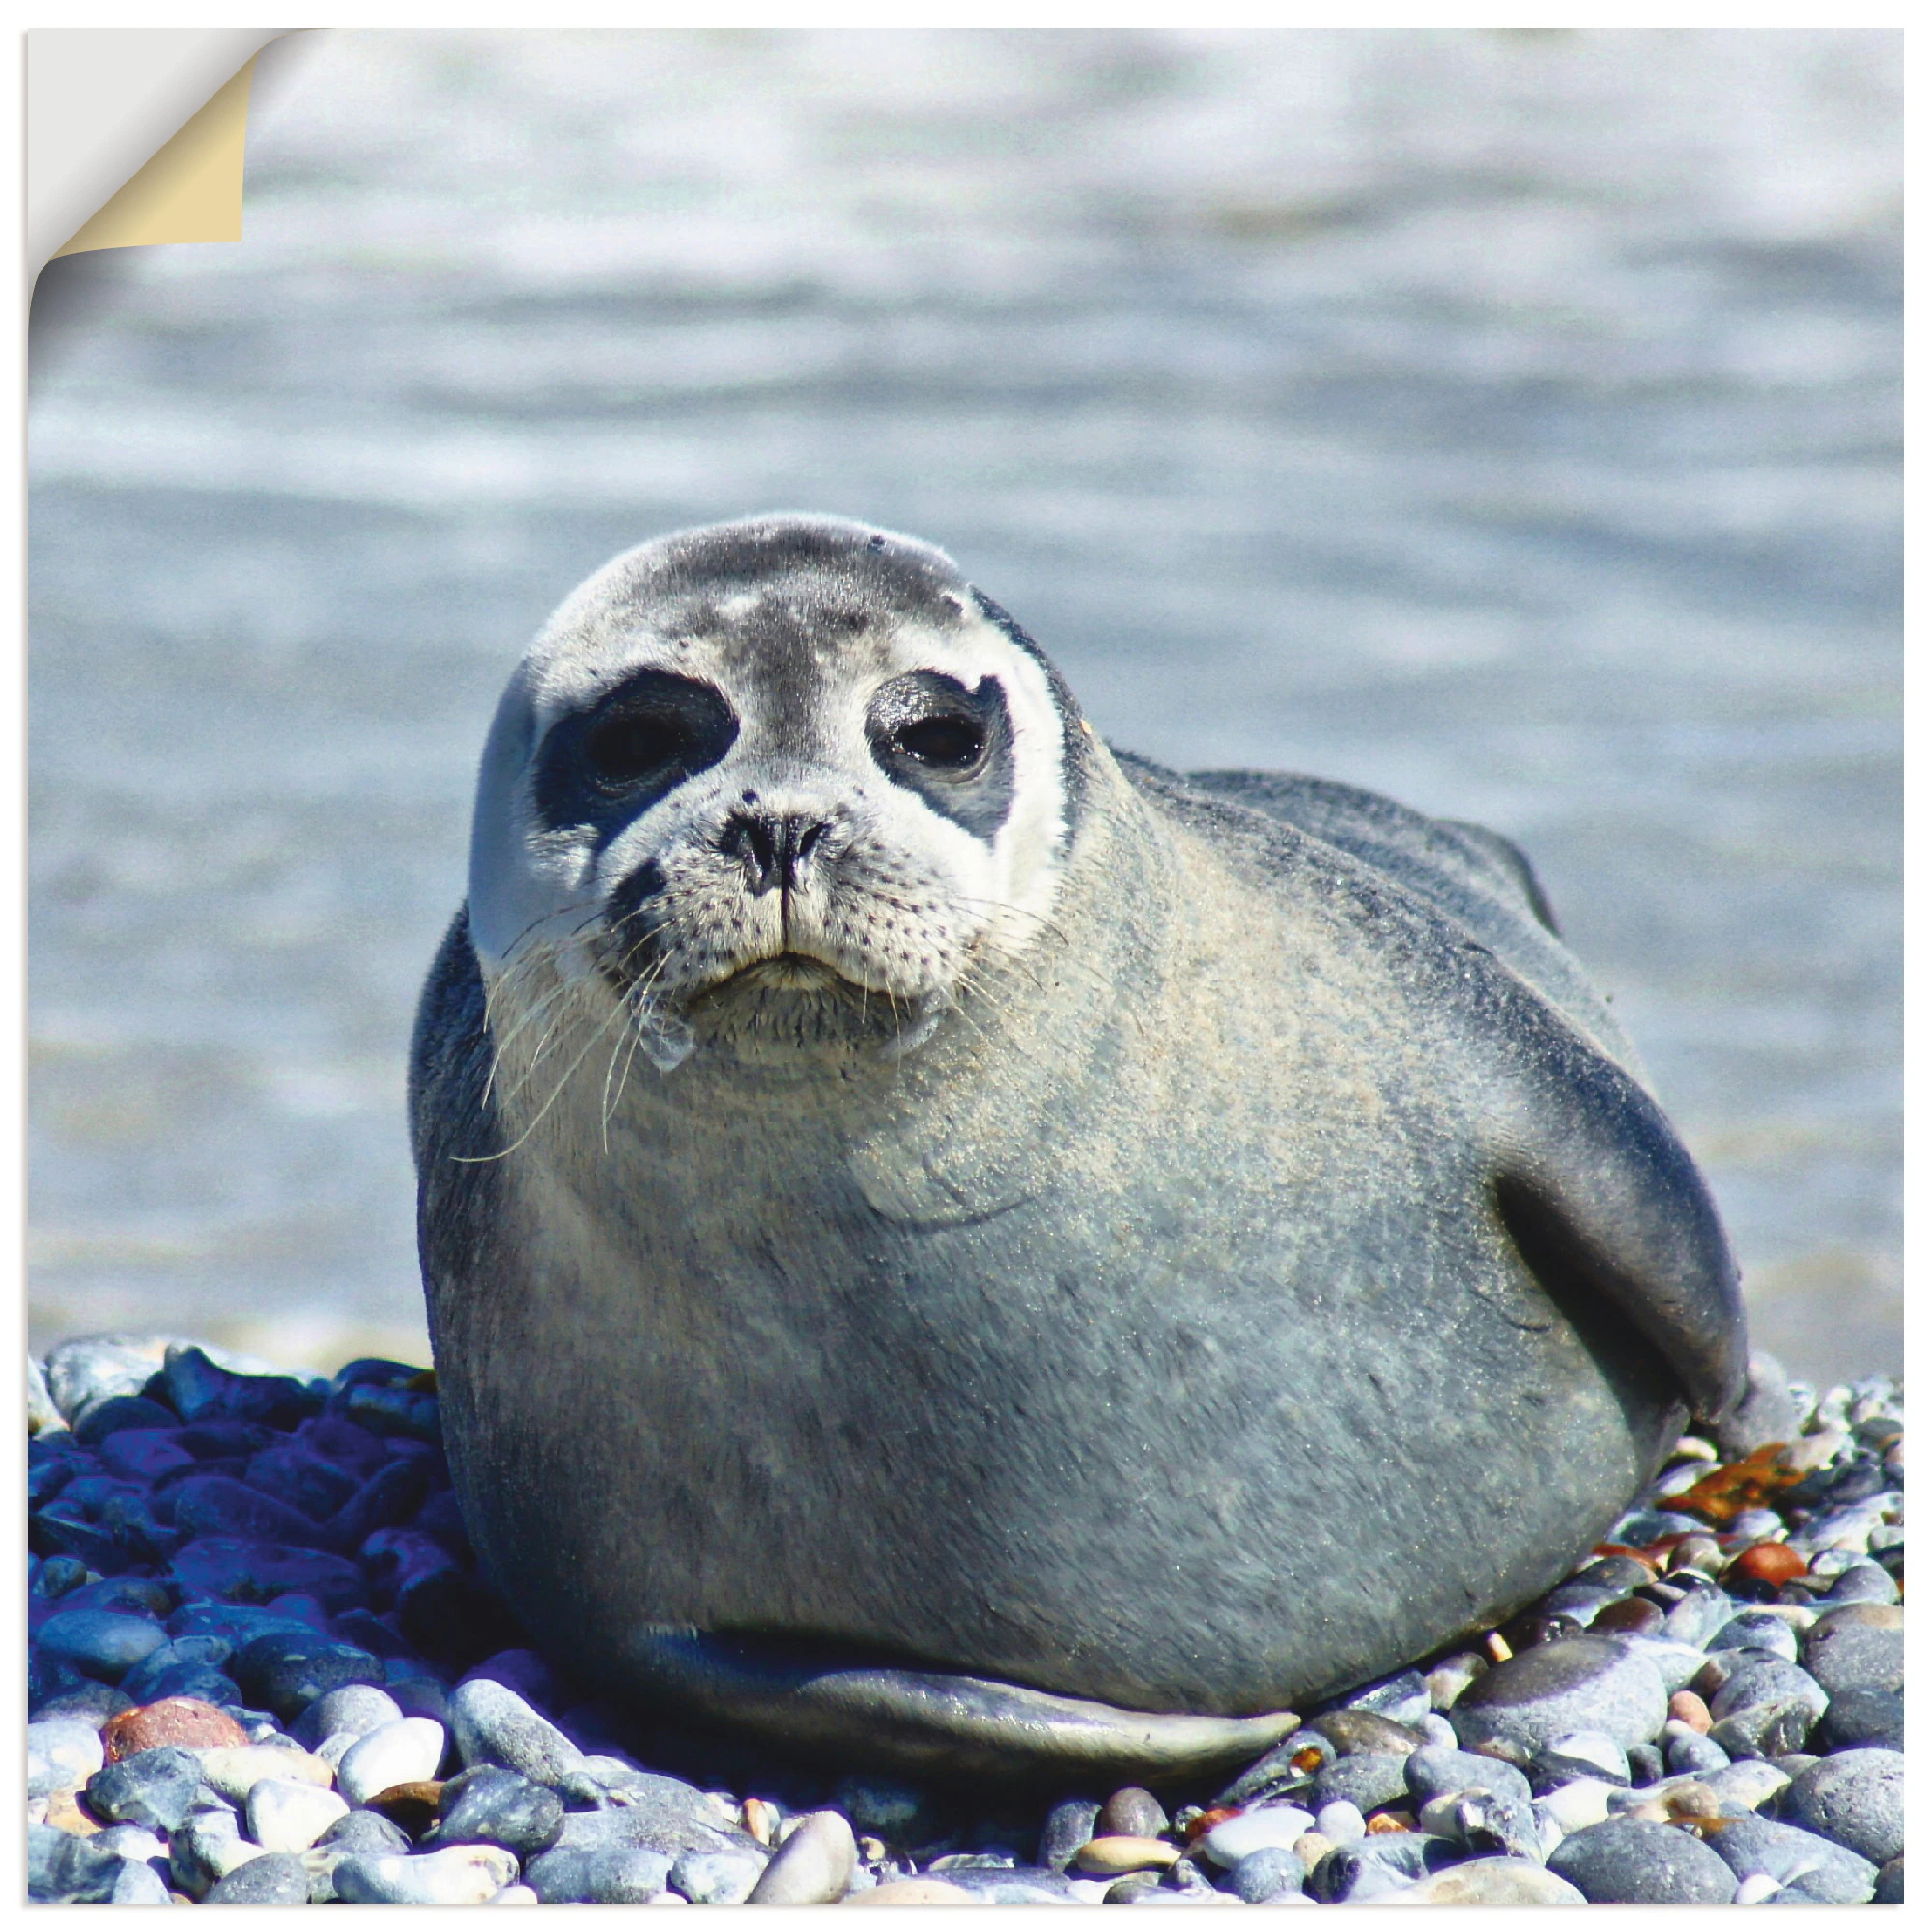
1508,421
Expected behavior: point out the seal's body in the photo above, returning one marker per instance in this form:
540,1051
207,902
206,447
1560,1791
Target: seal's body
942,1241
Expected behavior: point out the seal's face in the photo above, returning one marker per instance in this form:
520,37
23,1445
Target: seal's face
775,782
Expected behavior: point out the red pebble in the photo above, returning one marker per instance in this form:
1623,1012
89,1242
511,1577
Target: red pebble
1687,1708
1199,1827
1771,1563
174,1720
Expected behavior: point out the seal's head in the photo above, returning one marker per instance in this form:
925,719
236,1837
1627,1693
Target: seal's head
771,784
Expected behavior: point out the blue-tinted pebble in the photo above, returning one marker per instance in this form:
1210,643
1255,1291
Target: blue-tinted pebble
235,1567
274,1878
365,1832
1403,1698
145,1455
386,1500
1875,1719
218,1506
1767,1680
1436,1773
1069,1825
1862,1583
1756,1630
619,1876
1856,1657
1686,1752
489,1806
152,1787
201,1391
99,1420
294,1474
1266,1874
102,1643
64,1869
284,1672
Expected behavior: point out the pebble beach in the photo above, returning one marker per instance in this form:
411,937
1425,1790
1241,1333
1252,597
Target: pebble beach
263,1669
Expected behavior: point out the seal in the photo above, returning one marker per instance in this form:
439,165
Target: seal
956,1247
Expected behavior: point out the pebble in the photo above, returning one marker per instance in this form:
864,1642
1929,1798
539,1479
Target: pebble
154,1787
235,1772
1069,1825
1836,1876
607,1875
99,1642
1357,1733
352,1710
813,1866
1873,1718
287,1816
1574,1682
1437,1772
722,1878
208,1846
1266,1874
908,1891
1234,1839
274,1878
1116,1856
492,1725
1629,1861
1339,1823
187,1722
461,1875
407,1751
65,1870
1367,1781
1856,1799
1129,1813
488,1805
364,1830
1844,1656
62,1753
1492,1881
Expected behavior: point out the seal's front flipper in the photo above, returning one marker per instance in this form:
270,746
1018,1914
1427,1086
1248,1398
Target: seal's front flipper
1590,1180
929,1720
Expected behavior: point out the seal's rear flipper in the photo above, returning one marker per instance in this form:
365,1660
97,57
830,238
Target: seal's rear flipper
1590,1176
932,1721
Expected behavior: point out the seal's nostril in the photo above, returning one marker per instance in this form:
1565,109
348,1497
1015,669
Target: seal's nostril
810,837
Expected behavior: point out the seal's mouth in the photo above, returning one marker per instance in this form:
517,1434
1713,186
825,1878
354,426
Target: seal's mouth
784,973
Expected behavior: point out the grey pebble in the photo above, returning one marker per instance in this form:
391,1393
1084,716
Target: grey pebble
1266,1874
1035,1885
1130,1813
274,1878
1890,1887
364,1831
1068,1825
1688,1751
138,1882
62,1753
102,1643
489,1804
1856,1657
1367,1781
1632,1862
901,1814
1403,1697
1856,1799
613,1875
1755,1629
1875,1719
1788,1854
716,1878
1772,1729
357,1708
68,1870
1571,1685
813,1866
662,1815
284,1671
154,1787
1434,1773
1767,1680
492,1725
1862,1583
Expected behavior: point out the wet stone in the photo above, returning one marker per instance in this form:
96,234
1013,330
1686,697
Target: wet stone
1630,1861
1856,1799
274,1878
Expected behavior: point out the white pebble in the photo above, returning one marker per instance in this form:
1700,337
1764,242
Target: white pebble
1578,1805
1231,1841
460,1875
514,1894
284,1817
1755,1890
405,1752
1340,1823
235,1770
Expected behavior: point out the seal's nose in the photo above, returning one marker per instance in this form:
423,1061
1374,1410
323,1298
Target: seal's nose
772,846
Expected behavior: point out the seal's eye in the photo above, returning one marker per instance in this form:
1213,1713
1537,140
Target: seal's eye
655,730
941,743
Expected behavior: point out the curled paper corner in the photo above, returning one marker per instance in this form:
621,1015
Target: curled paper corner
138,135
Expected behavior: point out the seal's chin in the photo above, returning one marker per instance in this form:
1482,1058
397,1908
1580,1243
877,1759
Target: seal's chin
791,1002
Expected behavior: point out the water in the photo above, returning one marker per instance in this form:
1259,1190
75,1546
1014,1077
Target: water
1505,421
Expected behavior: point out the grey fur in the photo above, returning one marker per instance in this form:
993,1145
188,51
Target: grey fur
1271,1266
